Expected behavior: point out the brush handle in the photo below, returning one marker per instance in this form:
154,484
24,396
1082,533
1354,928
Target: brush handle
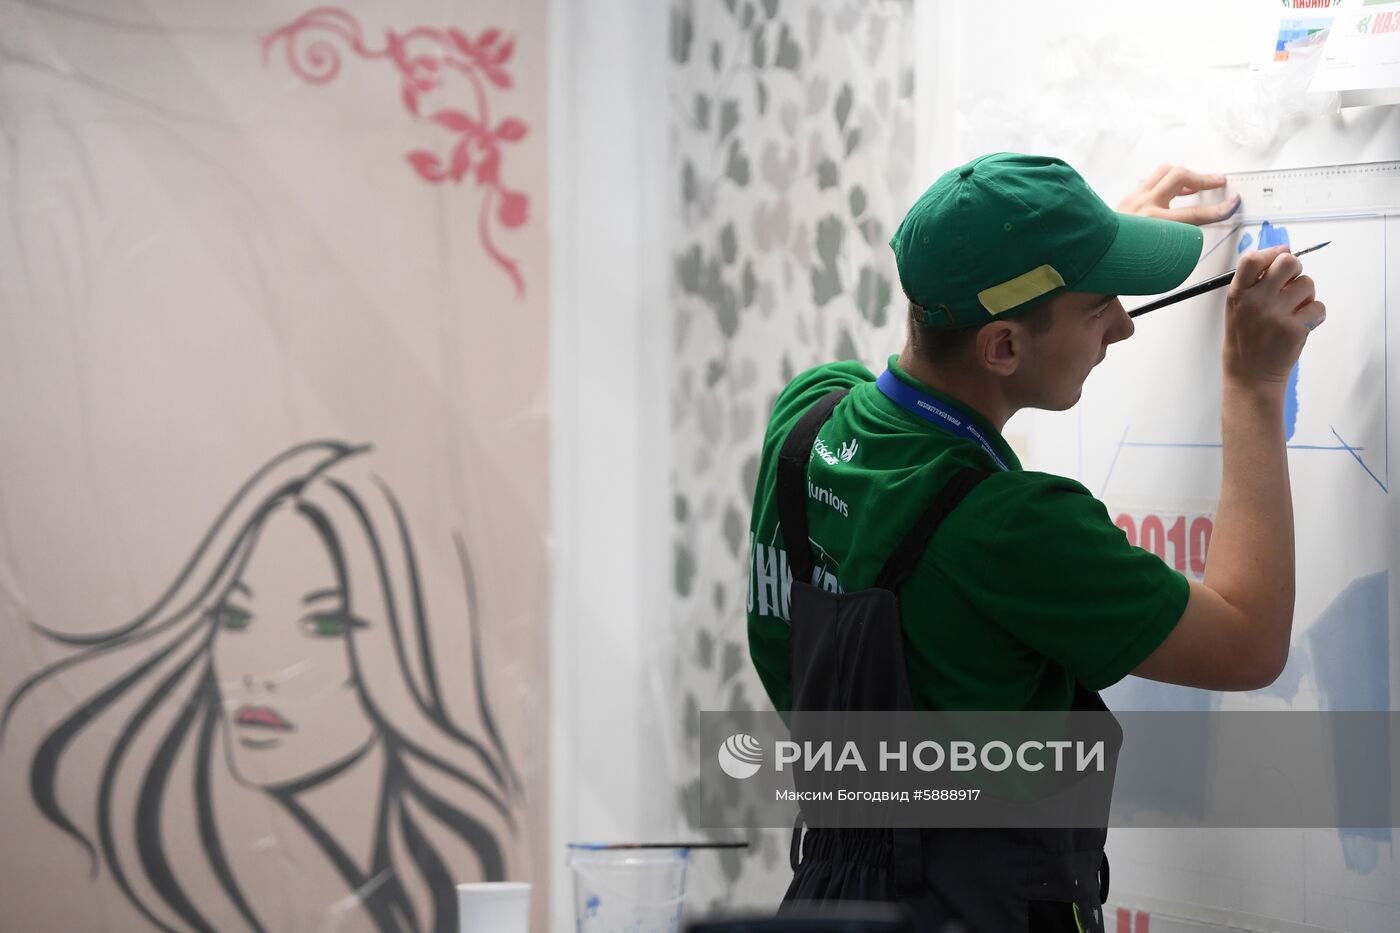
1200,288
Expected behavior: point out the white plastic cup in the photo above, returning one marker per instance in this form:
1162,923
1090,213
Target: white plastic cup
493,907
640,890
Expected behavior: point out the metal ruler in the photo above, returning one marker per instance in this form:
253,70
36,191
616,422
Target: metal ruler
1361,189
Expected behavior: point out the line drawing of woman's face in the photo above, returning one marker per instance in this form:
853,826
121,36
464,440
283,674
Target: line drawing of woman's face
293,642
289,698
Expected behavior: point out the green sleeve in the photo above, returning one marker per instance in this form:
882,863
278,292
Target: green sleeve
1046,563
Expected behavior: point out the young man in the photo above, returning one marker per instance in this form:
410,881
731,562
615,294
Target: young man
1027,596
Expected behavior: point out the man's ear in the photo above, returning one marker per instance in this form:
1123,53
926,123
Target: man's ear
1000,347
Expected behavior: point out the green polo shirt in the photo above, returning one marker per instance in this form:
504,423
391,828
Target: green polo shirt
1027,586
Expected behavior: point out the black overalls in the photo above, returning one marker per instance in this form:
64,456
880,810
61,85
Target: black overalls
847,653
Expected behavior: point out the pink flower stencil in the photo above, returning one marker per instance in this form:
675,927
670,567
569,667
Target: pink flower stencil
424,57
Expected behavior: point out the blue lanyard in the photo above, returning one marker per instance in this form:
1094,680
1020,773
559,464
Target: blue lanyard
936,413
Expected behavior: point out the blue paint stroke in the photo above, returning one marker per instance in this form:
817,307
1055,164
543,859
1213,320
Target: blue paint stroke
1290,404
1224,239
1342,447
1269,236
1111,466
1353,451
1350,647
1246,242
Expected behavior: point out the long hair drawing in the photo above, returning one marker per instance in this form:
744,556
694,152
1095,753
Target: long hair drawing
186,735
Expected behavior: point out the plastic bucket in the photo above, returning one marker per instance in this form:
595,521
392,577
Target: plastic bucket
493,907
631,890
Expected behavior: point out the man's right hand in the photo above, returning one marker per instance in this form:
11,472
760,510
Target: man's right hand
1270,309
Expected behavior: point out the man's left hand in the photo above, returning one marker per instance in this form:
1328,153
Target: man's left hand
1153,198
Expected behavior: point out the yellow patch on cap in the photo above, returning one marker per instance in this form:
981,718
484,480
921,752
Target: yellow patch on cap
1018,291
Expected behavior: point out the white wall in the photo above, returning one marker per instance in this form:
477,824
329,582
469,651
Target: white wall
609,462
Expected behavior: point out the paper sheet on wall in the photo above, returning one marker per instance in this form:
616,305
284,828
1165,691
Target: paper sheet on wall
1362,54
1284,28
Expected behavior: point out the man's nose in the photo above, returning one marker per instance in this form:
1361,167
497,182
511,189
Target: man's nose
1123,326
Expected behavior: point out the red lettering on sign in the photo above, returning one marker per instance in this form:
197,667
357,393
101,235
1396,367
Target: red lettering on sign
1183,541
1200,543
1130,921
1176,537
1154,536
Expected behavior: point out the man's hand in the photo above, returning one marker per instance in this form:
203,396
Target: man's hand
1154,198
1270,309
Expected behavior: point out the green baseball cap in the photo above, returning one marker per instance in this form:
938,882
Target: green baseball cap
998,235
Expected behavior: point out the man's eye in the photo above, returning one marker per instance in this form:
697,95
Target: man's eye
329,624
230,617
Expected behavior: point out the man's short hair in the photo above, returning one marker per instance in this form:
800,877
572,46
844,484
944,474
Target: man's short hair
941,345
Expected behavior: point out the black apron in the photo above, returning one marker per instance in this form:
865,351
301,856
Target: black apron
847,653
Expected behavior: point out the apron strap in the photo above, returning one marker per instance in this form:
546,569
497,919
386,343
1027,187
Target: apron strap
911,547
792,484
907,859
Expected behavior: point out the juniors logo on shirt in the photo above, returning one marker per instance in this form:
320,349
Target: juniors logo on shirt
827,497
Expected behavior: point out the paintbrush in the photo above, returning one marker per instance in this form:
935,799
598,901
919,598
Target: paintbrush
1200,288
